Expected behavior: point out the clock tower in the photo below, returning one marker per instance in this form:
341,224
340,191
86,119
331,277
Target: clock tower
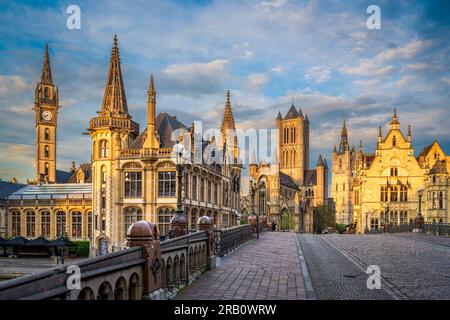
46,108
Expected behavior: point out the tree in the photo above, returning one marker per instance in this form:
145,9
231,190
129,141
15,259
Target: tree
322,218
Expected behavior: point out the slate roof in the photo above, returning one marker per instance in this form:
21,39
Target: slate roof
87,169
310,177
292,113
165,125
287,180
62,176
439,167
7,188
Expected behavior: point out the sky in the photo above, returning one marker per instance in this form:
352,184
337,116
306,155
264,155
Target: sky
318,54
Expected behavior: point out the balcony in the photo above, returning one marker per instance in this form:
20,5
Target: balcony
113,123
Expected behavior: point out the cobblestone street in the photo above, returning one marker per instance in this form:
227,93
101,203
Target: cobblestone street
267,268
413,266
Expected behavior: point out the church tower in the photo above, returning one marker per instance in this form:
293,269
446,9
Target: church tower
343,164
46,107
293,142
111,131
228,131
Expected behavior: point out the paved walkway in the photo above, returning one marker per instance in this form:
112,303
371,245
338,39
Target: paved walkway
268,268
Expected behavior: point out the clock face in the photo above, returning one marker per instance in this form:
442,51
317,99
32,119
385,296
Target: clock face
47,115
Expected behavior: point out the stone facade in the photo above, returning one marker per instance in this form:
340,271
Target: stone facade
385,185
292,190
134,173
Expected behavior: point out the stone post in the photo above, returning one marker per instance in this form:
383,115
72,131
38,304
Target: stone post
178,226
205,223
145,234
252,222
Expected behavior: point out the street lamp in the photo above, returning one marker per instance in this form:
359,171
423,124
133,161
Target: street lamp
418,221
179,155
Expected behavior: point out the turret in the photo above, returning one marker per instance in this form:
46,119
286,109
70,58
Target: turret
151,141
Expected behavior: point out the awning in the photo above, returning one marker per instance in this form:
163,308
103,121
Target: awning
61,242
17,241
38,242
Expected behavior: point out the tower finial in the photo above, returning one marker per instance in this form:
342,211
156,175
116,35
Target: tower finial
46,76
151,88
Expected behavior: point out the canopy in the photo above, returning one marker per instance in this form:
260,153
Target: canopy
17,241
38,242
61,242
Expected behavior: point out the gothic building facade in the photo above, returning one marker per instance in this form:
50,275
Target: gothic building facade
386,186
131,175
292,189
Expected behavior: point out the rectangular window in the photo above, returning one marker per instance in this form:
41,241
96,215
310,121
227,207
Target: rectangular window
194,188
89,224
394,194
186,186
60,223
202,189
16,223
216,192
133,184
209,191
31,224
166,184
76,225
45,224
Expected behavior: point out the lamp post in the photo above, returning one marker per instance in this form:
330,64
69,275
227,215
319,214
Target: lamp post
418,221
179,161
302,215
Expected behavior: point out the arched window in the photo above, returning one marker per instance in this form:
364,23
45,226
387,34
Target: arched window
132,215
47,151
89,224
164,216
45,224
31,224
60,223
441,200
46,169
103,173
77,223
104,149
394,141
47,134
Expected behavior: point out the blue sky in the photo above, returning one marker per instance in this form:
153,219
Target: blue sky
318,53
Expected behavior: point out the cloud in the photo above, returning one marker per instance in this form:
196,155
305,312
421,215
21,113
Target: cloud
407,51
10,85
318,74
256,81
271,4
368,68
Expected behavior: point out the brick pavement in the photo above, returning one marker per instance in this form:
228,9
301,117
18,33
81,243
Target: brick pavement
267,268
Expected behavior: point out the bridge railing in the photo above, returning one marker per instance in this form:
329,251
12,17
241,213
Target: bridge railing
437,228
229,239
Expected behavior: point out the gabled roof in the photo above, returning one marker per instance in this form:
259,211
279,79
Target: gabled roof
87,169
440,167
62,176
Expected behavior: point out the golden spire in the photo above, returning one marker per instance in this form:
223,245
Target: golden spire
114,98
228,119
46,76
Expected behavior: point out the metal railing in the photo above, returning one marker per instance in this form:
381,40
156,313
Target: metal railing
229,239
437,228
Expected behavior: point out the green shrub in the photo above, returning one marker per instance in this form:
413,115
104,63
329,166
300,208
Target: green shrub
81,249
340,227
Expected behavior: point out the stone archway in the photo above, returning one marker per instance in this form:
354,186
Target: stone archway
105,292
134,291
86,294
121,290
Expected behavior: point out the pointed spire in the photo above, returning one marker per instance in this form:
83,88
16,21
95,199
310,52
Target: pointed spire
275,156
114,98
325,163
151,141
292,113
46,76
151,88
344,146
394,123
228,119
319,161
279,117
306,118
334,149
300,113
360,145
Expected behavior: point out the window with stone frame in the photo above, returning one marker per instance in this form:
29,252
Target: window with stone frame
403,193
194,187
133,184
441,200
394,193
166,184
104,151
209,191
89,224
202,189
384,193
164,216
15,223
216,193
77,225
45,224
186,185
60,223
31,224
132,215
